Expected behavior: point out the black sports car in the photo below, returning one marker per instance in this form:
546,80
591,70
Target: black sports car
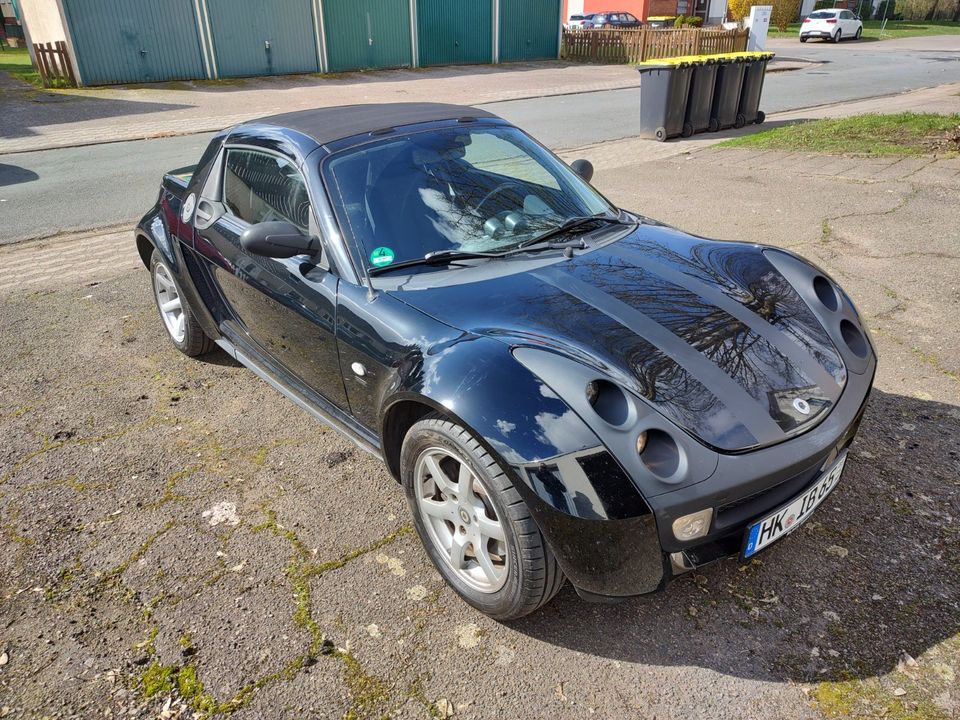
565,389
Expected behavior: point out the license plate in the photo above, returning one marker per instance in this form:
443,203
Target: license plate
792,515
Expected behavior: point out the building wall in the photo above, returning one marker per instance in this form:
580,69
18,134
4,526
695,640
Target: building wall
43,21
640,8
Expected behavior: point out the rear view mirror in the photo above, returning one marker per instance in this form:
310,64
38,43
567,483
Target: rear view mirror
277,240
583,168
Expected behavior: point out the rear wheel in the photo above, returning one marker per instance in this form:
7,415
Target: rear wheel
176,314
660,134
714,125
761,116
473,523
687,130
740,121
838,37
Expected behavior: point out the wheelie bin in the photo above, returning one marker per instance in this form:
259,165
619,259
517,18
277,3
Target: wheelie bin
725,112
700,100
664,86
755,68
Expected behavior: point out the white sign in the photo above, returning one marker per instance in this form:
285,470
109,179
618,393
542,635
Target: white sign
759,24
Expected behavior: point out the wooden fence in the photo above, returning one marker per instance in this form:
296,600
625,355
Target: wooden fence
53,64
637,45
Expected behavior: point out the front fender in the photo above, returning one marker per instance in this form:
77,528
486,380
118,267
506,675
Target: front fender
594,519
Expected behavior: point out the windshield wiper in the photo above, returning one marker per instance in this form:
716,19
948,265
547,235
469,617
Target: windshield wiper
438,257
571,223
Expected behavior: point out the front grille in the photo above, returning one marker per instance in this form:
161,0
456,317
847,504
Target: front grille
742,509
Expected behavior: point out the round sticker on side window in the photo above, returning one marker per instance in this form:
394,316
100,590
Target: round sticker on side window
382,256
186,214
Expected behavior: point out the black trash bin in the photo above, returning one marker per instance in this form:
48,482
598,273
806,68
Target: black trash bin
725,112
755,68
664,86
700,100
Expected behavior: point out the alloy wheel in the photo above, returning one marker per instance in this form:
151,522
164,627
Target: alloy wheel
460,519
169,302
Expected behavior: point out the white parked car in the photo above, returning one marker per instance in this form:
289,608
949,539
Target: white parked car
578,21
831,24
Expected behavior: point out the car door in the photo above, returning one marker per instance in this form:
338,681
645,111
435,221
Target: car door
284,308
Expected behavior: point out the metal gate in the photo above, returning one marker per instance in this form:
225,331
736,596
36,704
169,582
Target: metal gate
455,32
529,29
364,34
120,41
253,37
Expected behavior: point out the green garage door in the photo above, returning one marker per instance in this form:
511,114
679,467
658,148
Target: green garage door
254,37
120,41
455,32
363,34
529,29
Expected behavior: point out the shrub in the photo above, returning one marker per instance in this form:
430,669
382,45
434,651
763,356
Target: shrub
694,21
737,10
679,21
784,12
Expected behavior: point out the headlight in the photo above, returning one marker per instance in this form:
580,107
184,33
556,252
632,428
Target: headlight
692,526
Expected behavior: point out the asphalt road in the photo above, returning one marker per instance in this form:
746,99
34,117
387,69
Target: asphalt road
44,193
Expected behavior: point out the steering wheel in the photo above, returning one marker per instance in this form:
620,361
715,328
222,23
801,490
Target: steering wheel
502,187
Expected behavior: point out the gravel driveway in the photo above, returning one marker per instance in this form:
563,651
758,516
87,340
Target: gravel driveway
175,537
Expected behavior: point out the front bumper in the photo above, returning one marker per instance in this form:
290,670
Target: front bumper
616,558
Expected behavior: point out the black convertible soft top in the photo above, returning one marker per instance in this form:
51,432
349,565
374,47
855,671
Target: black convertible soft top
335,123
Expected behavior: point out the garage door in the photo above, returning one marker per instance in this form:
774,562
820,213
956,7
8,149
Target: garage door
364,34
120,41
455,32
253,37
529,29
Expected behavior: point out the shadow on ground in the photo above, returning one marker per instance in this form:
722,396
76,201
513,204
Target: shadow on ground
875,573
15,175
25,107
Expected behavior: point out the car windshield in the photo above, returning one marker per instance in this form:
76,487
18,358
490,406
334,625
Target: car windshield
465,189
822,15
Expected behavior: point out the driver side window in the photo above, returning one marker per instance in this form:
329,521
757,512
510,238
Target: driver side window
261,187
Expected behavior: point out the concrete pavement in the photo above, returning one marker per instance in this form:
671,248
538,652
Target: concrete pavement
174,527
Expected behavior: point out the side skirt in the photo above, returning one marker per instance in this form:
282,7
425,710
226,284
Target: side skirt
362,439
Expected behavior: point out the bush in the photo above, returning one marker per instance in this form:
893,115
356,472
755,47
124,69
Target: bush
784,12
737,10
694,21
679,21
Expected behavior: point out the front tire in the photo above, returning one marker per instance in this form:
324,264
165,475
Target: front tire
473,523
175,312
859,33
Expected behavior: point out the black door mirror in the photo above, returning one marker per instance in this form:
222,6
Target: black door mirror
277,240
583,168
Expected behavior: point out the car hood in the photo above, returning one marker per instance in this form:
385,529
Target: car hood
709,333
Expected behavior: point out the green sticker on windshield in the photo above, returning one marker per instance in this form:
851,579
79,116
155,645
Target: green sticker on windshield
382,256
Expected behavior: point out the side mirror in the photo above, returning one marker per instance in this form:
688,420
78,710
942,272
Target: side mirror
277,240
583,168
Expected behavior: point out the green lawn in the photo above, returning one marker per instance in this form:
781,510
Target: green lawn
17,63
894,29
900,134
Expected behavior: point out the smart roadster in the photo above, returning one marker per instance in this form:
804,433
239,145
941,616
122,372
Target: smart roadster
565,389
